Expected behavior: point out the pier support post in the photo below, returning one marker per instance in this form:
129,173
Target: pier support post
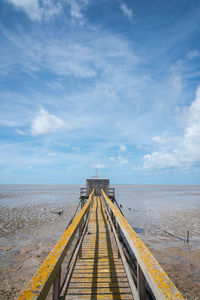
119,236
80,234
141,283
56,286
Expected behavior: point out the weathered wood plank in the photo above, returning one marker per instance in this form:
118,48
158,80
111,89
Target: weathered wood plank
99,284
99,279
94,291
105,296
99,273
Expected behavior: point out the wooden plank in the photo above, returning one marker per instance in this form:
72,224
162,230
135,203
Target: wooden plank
98,284
99,279
97,296
93,291
99,267
100,272
95,263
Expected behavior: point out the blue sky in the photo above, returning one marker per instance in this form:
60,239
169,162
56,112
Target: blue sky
108,84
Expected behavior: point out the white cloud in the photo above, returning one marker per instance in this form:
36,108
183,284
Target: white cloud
62,144
186,152
118,124
118,160
122,161
127,11
112,158
193,54
160,140
99,166
159,160
76,10
76,148
122,148
63,58
177,83
20,132
46,123
52,154
35,9
163,139
191,142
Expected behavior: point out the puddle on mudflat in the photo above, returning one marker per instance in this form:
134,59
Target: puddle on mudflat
139,230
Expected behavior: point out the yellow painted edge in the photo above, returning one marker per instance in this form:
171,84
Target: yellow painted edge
165,286
41,282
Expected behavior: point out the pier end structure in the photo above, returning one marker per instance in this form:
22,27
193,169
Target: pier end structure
97,184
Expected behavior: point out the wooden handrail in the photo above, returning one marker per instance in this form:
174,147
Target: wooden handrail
162,287
42,281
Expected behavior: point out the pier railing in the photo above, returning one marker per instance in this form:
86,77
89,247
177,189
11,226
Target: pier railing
49,274
148,277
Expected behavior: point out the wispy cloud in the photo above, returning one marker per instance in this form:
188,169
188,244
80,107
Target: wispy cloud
76,10
46,123
8,64
35,9
127,11
122,147
193,54
20,132
122,161
99,166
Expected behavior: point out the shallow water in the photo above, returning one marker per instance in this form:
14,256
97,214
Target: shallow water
30,228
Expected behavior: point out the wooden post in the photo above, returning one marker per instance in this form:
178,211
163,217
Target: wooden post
111,219
188,234
80,233
56,286
141,283
119,237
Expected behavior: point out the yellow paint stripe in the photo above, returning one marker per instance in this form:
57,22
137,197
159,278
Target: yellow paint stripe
157,278
42,281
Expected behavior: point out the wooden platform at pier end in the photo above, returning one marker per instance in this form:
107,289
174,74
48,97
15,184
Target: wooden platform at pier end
99,272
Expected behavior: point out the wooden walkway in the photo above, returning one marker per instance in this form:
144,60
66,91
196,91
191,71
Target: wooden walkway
99,272
95,269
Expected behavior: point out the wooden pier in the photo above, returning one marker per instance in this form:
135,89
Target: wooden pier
99,271
107,260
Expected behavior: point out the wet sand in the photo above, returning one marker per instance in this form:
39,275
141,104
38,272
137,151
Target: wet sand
153,213
29,230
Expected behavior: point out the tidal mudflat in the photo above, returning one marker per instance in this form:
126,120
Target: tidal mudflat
30,228
162,216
